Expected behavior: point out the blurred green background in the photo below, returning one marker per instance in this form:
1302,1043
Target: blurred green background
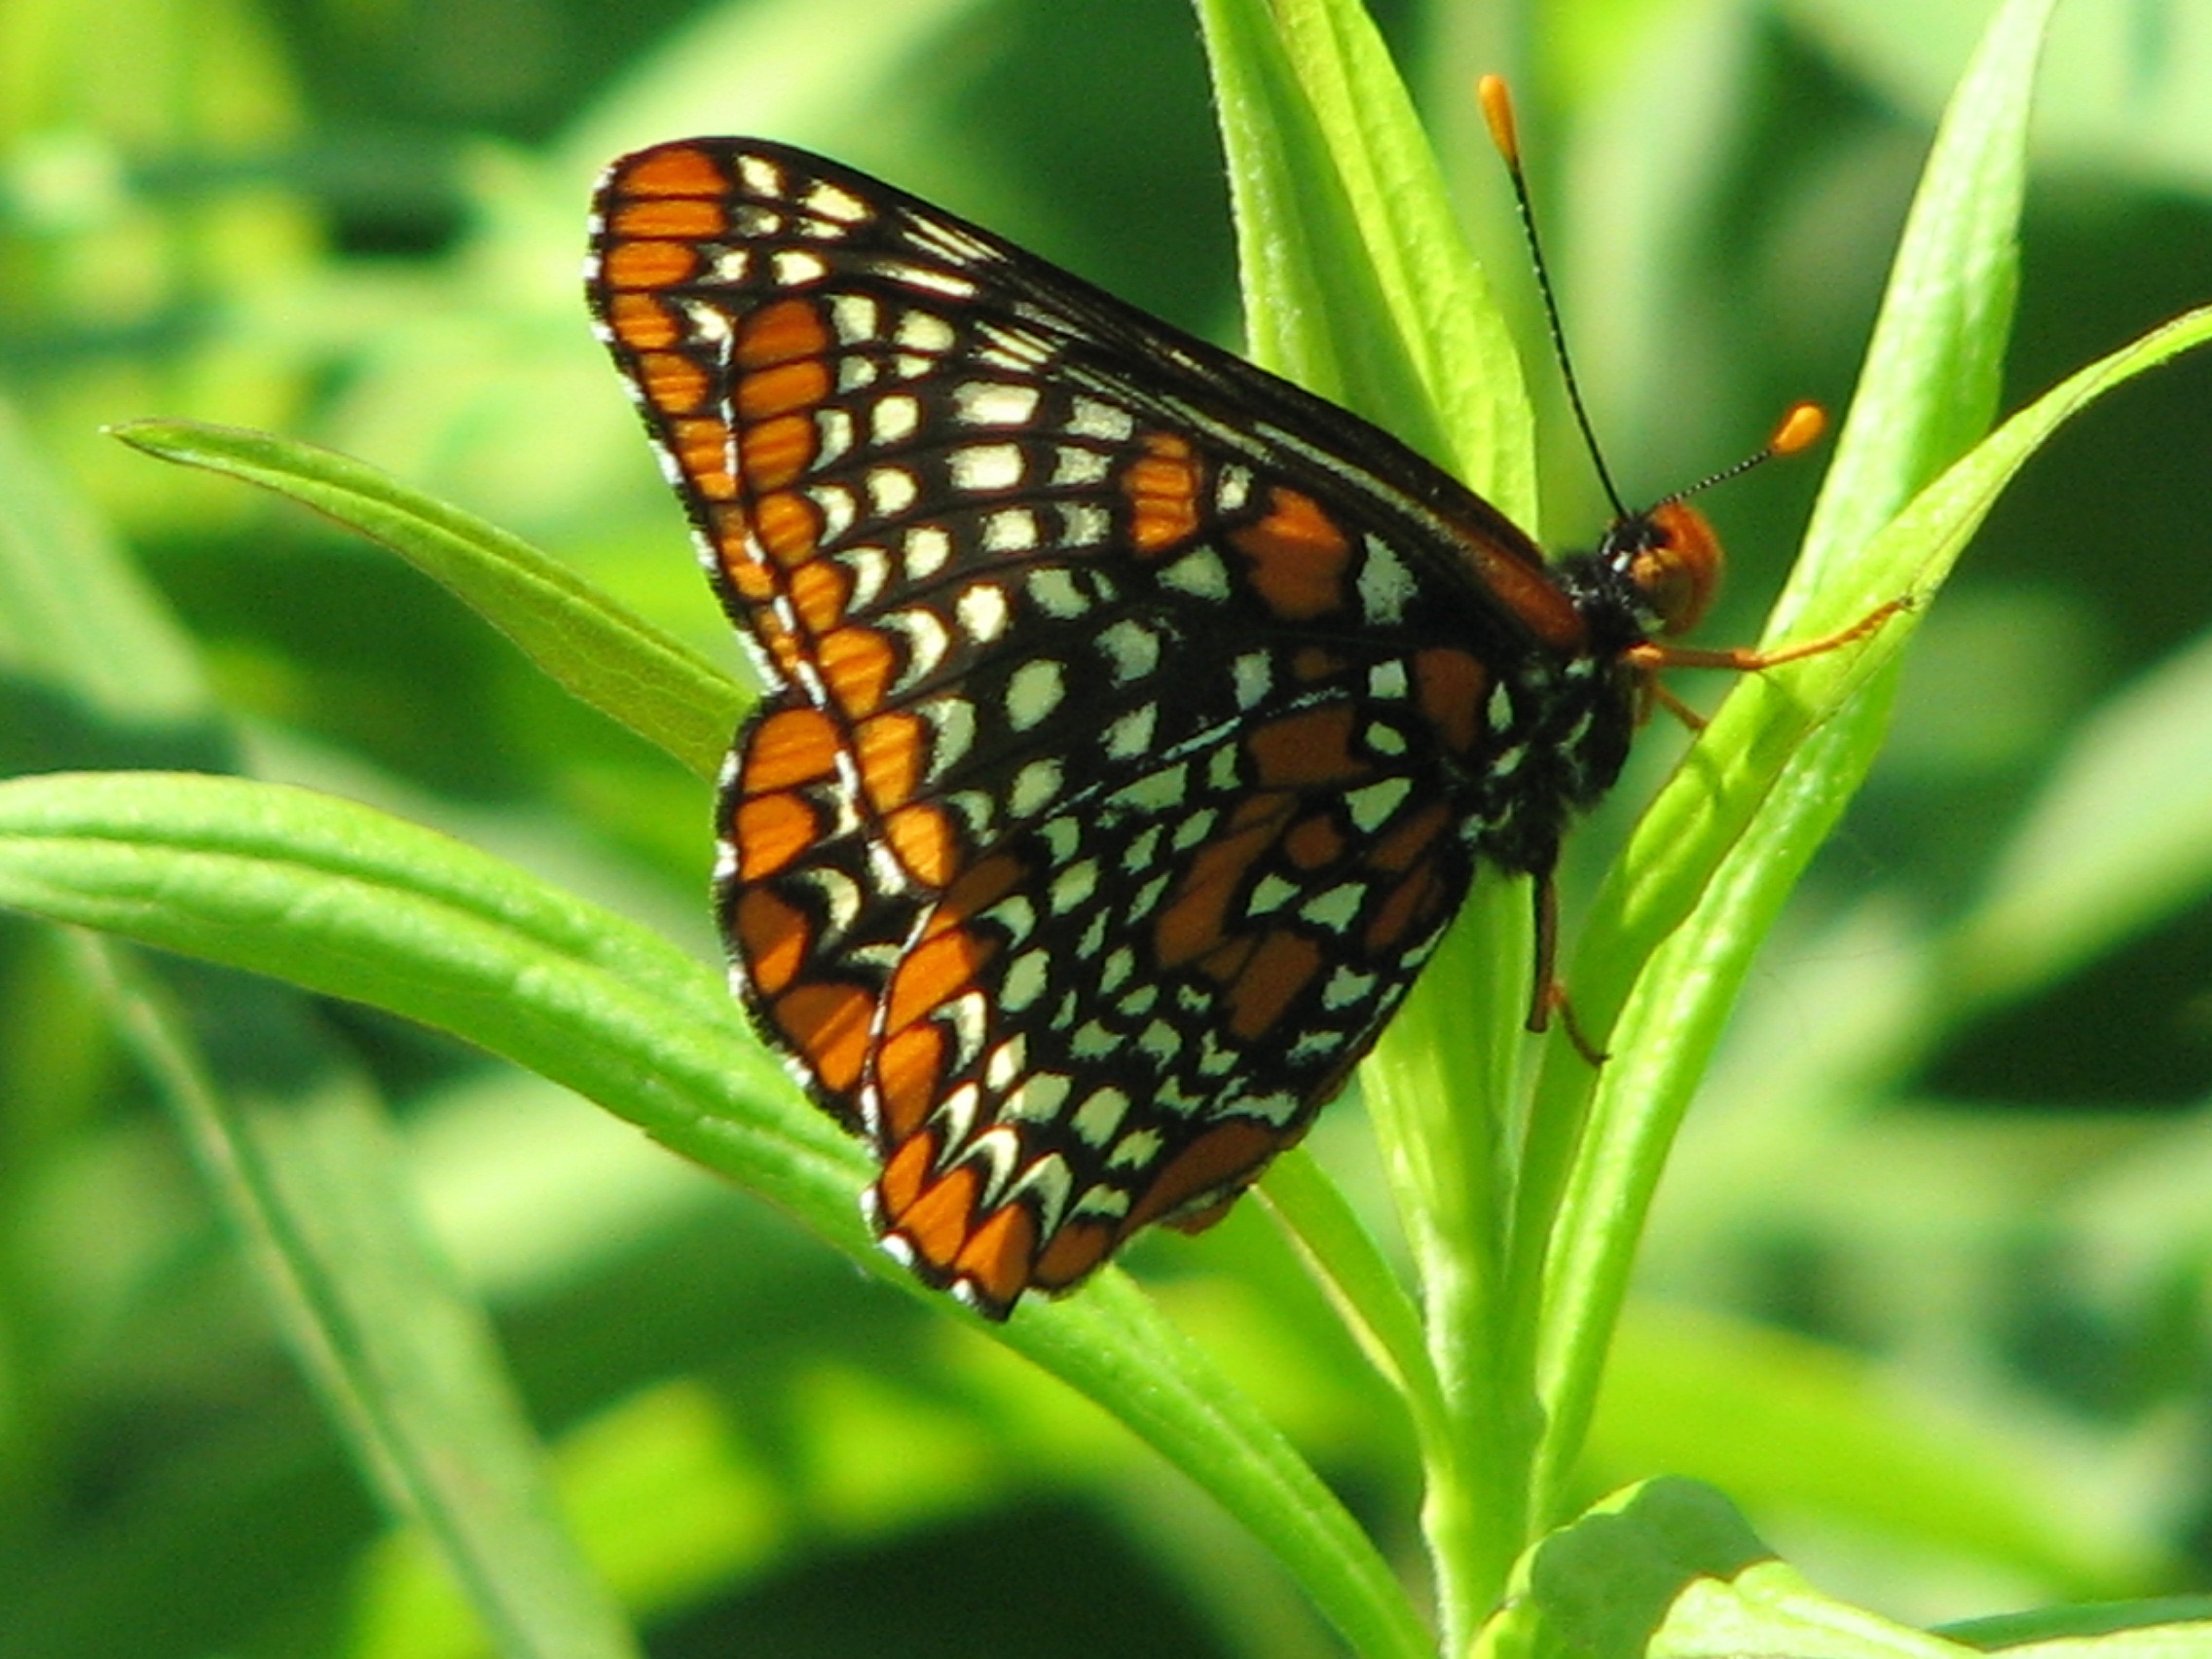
1928,1287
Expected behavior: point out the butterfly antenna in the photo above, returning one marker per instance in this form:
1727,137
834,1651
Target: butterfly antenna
1498,113
1799,429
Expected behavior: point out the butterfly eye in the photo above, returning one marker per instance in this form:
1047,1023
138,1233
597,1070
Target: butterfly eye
1679,572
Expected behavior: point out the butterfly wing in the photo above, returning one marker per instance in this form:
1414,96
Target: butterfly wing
1134,716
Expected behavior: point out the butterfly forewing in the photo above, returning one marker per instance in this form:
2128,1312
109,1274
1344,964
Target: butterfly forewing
1134,717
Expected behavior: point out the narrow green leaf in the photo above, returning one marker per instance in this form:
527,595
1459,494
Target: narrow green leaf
405,1360
2167,1627
619,664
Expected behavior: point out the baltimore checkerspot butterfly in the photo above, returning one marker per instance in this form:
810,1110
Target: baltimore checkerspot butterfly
1135,721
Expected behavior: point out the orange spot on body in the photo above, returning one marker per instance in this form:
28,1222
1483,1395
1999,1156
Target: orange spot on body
932,974
774,452
924,842
694,218
1299,555
1163,488
788,747
936,1223
1450,686
772,938
910,1070
780,331
1282,967
826,1026
788,388
1308,750
1074,1253
673,169
996,1254
769,832
889,749
1228,1156
649,263
857,665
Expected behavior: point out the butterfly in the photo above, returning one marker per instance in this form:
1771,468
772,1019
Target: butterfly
1135,719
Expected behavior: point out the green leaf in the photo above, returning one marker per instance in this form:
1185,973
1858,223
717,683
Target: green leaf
346,901
1668,1569
619,664
1358,284
2167,1627
404,1359
1711,860
303,1171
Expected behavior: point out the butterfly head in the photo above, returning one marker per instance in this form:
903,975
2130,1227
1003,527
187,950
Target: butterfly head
1672,559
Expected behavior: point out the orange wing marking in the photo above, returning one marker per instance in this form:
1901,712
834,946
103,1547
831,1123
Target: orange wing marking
788,388
1450,686
826,1026
1229,1155
1309,750
786,526
702,450
641,322
996,1254
890,757
1163,488
923,841
676,169
676,384
788,747
932,974
1299,556
820,593
936,1223
770,831
650,264
780,332
1076,1250
856,665
773,936
1195,921
1284,966
774,452
697,218
909,1071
